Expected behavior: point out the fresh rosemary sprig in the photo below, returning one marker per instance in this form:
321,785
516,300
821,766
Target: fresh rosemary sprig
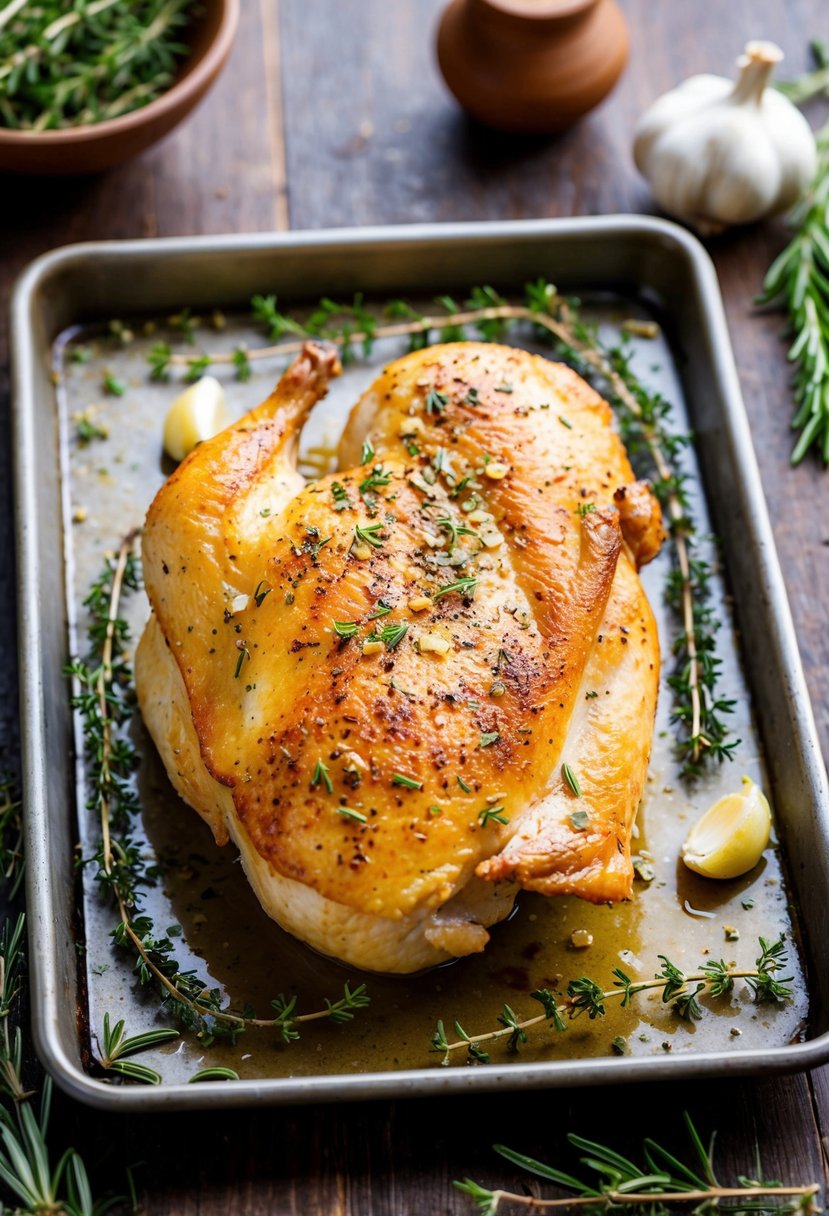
679,990
11,838
67,65
116,1046
662,1182
103,701
26,1168
798,281
644,416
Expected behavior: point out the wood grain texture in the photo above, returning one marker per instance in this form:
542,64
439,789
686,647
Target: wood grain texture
335,114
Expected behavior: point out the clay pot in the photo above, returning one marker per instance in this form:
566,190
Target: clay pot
531,65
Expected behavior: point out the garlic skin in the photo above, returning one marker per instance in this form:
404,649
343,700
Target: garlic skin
718,153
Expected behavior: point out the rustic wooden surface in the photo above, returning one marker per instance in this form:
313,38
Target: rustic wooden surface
333,114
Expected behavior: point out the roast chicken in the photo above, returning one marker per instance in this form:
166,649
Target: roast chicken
414,686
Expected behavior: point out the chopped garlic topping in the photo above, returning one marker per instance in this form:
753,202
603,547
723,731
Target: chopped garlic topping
433,643
496,470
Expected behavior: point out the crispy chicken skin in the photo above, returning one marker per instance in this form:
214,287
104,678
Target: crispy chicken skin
389,802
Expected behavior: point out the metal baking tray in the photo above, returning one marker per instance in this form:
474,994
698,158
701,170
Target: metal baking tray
623,263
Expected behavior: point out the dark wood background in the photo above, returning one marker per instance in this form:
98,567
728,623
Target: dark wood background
332,113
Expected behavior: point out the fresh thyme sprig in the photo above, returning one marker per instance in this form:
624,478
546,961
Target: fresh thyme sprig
102,698
681,991
798,281
71,65
655,1187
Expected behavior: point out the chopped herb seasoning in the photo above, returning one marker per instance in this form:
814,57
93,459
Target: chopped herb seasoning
454,529
579,820
460,487
382,609
263,589
503,388
436,402
113,386
489,737
584,508
493,814
472,397
321,775
244,653
643,869
464,586
588,696
408,782
367,453
348,813
376,479
390,635
345,629
340,495
87,430
265,512
467,789
565,422
367,535
571,780
435,811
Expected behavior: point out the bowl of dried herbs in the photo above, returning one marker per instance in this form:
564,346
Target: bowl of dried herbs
85,86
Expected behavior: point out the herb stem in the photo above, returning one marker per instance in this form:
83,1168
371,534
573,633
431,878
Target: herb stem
709,1195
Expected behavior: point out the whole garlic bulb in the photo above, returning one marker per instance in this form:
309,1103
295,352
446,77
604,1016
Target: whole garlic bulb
717,153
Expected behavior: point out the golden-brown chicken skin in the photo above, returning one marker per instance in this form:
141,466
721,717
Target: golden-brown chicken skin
376,682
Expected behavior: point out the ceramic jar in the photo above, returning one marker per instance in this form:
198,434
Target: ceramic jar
531,65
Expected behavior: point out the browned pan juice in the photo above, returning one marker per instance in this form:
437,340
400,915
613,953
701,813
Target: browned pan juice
203,899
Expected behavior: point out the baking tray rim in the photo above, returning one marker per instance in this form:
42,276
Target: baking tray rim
42,926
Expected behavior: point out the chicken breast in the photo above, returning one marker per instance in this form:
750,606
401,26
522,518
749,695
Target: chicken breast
414,686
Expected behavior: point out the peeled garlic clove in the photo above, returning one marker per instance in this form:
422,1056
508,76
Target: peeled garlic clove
197,414
730,837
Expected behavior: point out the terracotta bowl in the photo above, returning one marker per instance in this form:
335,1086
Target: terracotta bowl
104,144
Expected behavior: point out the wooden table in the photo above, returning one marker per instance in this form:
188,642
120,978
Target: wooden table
333,114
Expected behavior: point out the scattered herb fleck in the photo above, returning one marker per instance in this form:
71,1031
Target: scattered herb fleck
571,779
